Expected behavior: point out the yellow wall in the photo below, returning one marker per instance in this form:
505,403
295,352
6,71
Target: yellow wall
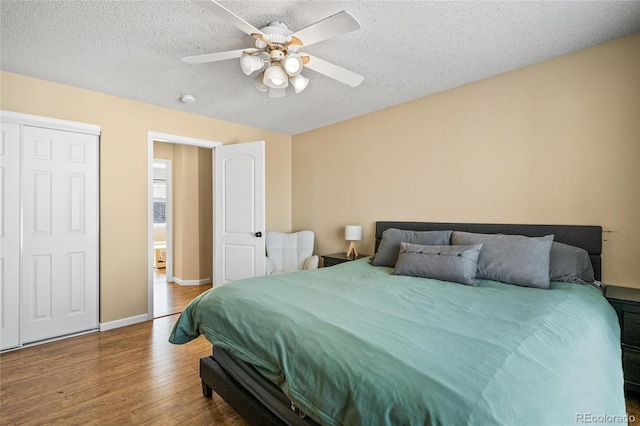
192,213
553,143
205,216
123,174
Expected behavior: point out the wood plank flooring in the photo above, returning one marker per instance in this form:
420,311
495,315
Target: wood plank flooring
171,298
130,375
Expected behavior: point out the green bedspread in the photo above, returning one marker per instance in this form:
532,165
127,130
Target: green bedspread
353,344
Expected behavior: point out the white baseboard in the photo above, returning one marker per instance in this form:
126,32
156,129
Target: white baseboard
191,282
104,326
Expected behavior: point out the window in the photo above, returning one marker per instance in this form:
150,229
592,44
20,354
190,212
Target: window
159,201
159,194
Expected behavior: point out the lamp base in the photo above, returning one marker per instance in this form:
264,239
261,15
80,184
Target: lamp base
352,250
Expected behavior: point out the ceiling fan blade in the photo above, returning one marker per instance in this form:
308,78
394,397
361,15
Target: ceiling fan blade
295,41
229,16
213,57
331,70
335,25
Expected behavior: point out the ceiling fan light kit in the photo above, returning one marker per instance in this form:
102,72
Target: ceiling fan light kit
275,77
299,83
272,45
250,63
259,84
293,64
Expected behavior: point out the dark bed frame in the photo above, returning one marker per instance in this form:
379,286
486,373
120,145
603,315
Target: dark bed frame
247,403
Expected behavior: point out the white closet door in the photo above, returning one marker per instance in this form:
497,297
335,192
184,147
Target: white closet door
60,232
9,235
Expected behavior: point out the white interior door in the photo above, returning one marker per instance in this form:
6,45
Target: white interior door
60,232
239,211
9,235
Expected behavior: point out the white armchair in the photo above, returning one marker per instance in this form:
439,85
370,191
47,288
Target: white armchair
289,252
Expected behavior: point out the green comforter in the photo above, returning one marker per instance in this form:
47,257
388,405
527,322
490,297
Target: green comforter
354,344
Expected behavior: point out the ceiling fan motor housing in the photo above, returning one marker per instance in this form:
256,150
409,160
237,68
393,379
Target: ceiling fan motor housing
276,54
275,32
276,27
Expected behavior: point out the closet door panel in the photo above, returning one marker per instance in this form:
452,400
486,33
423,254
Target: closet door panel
9,235
60,227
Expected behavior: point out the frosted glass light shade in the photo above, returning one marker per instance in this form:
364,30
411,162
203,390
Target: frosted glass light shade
353,233
292,64
258,83
299,83
275,77
250,63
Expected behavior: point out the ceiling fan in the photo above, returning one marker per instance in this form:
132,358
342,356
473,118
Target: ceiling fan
275,57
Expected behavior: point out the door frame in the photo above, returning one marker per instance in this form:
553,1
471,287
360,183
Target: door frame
174,139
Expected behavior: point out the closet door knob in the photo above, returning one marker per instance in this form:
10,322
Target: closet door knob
259,234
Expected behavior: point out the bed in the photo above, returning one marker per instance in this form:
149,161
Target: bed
357,344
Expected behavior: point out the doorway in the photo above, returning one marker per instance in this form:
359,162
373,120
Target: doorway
180,238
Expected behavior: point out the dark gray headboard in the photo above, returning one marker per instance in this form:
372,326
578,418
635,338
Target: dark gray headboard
583,236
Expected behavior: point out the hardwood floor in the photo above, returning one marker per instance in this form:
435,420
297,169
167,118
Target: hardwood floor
171,298
130,375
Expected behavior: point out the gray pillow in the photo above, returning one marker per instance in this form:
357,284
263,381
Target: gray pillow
389,247
447,263
570,264
511,259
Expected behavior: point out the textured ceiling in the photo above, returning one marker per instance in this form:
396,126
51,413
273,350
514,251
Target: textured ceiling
405,50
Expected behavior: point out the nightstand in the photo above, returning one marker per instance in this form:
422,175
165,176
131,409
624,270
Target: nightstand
626,302
337,258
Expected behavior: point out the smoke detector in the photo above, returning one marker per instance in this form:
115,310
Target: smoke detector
187,99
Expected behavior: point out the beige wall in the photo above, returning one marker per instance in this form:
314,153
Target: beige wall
192,213
123,174
556,142
205,215
185,212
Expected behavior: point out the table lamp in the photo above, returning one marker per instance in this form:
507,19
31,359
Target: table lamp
352,233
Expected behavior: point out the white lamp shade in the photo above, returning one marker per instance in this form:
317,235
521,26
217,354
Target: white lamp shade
275,77
250,63
292,64
258,83
353,233
299,83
